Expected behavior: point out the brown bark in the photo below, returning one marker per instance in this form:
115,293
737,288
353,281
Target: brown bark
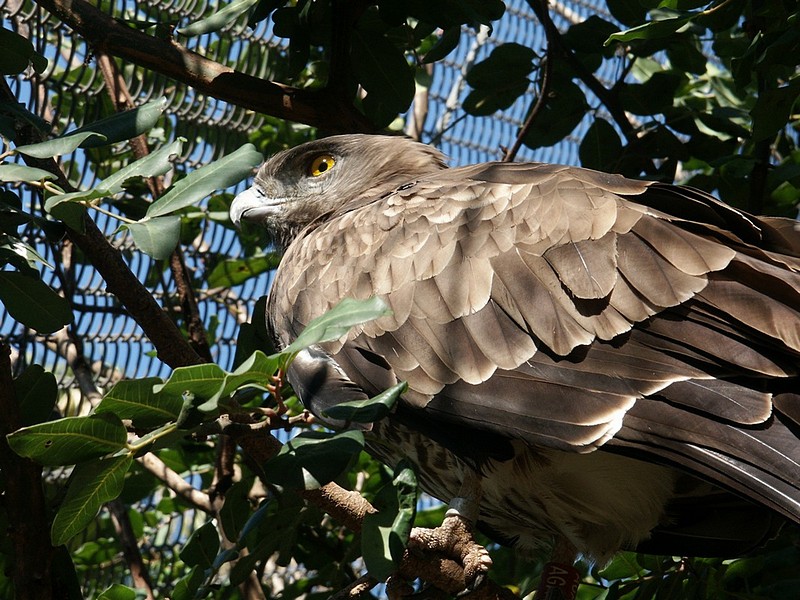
320,108
28,523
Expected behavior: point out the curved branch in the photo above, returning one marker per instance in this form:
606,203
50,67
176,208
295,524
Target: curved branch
120,281
608,97
319,108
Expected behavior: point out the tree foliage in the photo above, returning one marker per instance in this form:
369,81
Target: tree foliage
705,93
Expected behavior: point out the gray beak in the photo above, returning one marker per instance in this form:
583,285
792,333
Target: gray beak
253,205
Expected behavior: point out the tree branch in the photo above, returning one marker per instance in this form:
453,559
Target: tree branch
130,547
319,108
23,499
349,509
120,281
607,97
541,99
175,482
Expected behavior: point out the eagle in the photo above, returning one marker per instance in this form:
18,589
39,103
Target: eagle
592,361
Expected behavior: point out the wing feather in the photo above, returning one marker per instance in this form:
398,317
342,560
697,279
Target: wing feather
574,310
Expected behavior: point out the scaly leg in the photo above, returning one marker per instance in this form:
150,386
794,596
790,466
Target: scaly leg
454,537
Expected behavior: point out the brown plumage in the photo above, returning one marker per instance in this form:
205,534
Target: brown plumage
617,359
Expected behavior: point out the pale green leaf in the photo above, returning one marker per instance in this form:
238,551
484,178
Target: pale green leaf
202,381
69,440
15,173
219,19
157,237
338,321
57,146
117,592
198,184
154,164
92,484
135,399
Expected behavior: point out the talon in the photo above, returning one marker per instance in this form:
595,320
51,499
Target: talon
454,539
275,389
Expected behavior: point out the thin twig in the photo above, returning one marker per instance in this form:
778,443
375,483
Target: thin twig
541,100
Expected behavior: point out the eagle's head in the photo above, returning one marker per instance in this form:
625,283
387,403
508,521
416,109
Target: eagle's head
304,184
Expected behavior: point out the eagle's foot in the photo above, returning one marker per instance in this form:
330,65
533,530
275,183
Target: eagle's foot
454,539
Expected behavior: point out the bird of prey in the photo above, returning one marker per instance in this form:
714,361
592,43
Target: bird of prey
593,360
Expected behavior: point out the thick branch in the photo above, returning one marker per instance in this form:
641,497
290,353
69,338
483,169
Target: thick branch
23,499
319,108
120,281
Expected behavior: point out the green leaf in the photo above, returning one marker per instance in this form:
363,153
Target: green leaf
561,113
219,19
338,321
772,109
110,130
57,146
17,53
202,381
483,102
202,547
198,184
623,566
601,146
157,237
91,485
382,70
446,43
385,534
187,587
236,509
653,29
655,95
15,173
627,12
36,391
135,399
154,164
507,62
313,458
124,125
69,440
499,80
231,272
258,369
369,410
33,303
262,10
118,592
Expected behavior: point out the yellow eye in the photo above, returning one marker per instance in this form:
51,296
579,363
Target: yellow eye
321,164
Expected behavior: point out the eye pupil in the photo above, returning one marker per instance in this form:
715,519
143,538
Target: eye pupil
321,164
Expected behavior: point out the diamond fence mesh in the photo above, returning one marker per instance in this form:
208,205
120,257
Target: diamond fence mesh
104,344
